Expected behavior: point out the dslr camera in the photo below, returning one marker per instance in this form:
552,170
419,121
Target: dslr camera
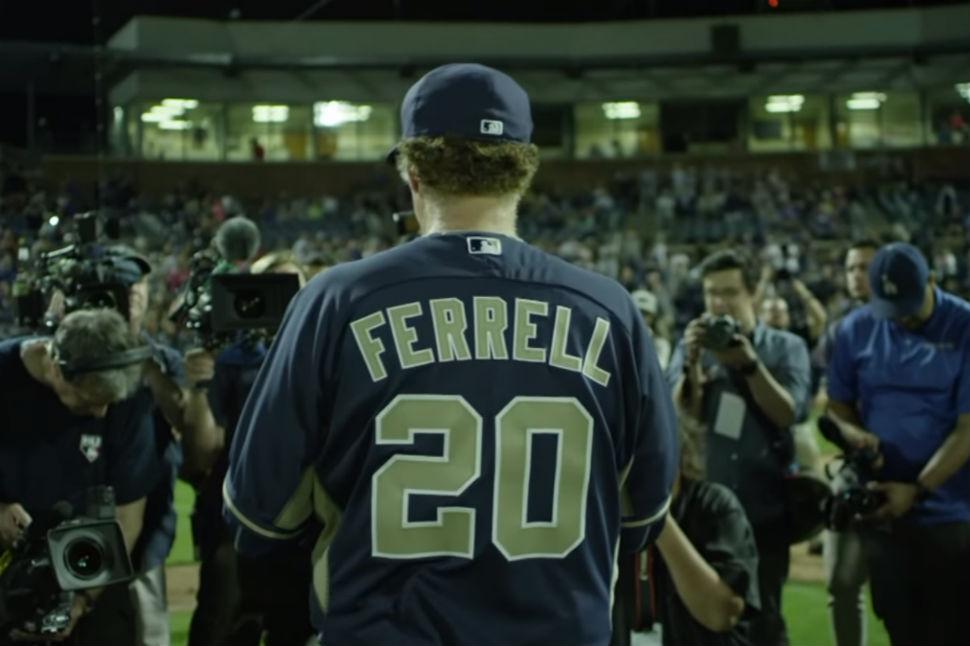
41,573
843,509
719,332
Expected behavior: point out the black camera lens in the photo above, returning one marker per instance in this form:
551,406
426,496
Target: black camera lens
249,304
84,558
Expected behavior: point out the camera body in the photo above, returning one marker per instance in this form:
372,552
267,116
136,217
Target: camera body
221,306
39,575
852,500
719,332
82,271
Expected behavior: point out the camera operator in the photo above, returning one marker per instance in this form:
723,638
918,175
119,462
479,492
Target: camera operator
164,382
777,284
845,558
63,433
748,384
238,598
898,383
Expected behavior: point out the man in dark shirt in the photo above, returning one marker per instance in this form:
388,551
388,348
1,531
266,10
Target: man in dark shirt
748,396
713,521
62,434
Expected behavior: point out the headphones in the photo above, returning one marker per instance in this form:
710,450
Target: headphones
71,369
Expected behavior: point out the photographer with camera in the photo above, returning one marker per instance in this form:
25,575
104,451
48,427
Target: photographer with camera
163,392
69,422
781,285
238,598
898,384
748,384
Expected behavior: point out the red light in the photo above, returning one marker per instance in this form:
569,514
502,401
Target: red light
773,4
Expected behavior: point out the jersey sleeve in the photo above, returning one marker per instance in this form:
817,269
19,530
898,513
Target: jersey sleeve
276,436
646,490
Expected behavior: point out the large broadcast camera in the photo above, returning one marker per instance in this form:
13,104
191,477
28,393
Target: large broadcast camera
222,307
852,501
40,575
84,272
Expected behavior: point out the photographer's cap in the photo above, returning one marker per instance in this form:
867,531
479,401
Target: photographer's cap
467,101
897,281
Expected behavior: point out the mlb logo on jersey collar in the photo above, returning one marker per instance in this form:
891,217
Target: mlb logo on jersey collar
490,246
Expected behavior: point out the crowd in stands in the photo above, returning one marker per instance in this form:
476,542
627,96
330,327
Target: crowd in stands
647,231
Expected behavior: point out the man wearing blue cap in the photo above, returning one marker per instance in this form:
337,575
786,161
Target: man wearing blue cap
899,383
464,423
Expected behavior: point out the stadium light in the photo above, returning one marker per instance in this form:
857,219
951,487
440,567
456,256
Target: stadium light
622,110
865,101
963,89
174,125
162,112
271,113
784,103
185,104
54,221
328,114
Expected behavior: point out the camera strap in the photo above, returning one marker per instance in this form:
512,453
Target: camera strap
71,369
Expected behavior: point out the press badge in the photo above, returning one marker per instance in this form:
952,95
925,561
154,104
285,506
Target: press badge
730,416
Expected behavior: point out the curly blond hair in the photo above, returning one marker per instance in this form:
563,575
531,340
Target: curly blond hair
450,167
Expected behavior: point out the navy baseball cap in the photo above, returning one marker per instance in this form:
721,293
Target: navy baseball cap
467,101
897,281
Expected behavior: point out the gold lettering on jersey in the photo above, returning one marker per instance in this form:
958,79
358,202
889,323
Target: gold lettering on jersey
371,349
406,336
491,321
525,330
448,317
593,351
558,356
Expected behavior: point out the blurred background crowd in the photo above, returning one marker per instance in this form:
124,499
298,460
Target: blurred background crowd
647,229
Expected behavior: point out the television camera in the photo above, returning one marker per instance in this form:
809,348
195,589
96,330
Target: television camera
853,501
41,573
85,272
222,307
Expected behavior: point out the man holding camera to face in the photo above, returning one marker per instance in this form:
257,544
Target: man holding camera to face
747,384
898,385
68,423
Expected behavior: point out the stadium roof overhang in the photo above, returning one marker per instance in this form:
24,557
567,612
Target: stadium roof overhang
841,52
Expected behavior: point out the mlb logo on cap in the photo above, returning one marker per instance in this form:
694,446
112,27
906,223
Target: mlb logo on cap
492,127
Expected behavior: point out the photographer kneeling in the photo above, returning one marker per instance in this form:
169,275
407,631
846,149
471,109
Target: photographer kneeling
898,383
67,423
748,384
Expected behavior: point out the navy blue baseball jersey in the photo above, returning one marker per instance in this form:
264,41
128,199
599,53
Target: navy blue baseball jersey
471,422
